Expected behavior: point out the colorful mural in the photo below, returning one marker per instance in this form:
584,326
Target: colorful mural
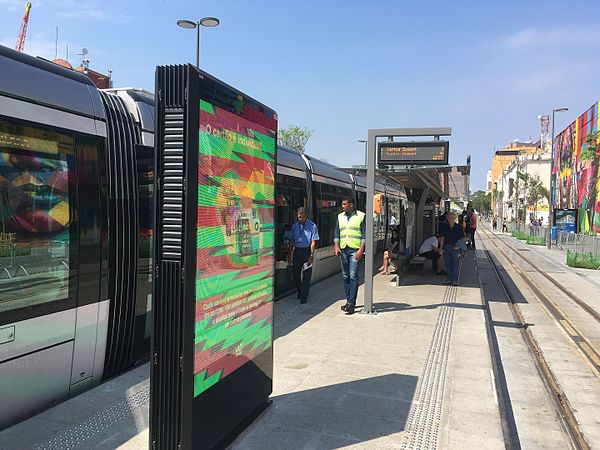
576,183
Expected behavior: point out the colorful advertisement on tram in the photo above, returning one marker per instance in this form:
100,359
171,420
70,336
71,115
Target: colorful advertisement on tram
235,242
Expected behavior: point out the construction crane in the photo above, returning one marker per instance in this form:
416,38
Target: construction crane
21,38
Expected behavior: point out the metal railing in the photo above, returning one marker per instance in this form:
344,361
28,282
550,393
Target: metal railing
577,242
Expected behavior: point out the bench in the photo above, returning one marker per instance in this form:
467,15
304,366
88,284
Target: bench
416,262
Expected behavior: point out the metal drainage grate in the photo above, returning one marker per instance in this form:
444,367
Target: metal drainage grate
425,415
75,437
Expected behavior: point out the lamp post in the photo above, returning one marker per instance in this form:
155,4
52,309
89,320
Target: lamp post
551,206
364,142
208,22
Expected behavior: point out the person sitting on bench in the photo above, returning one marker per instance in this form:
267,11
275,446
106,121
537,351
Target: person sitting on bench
396,247
430,249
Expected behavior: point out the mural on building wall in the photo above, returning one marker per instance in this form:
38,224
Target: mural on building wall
576,176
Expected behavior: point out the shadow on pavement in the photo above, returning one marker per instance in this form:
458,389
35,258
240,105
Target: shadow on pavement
334,416
384,307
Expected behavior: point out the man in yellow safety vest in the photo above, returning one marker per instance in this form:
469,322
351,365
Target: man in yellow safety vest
349,241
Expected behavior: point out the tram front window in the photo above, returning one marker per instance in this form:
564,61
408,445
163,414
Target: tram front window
37,182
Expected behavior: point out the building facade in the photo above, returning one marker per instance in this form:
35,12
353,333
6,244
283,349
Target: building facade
501,160
575,179
524,185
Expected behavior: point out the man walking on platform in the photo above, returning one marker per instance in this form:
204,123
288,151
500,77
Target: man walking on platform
450,233
303,242
349,242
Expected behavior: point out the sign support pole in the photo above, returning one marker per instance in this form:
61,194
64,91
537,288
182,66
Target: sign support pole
371,169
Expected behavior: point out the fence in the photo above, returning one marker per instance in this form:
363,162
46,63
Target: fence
579,243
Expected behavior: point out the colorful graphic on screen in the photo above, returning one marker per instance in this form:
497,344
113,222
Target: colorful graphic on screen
235,245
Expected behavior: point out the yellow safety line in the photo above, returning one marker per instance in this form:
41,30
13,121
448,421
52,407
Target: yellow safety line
568,327
590,353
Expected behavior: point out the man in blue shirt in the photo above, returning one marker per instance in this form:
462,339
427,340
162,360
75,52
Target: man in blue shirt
303,242
450,235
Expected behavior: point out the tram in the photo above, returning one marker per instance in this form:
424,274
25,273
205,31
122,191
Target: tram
76,229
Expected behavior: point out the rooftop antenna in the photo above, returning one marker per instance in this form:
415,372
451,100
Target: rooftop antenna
110,83
56,45
85,62
67,52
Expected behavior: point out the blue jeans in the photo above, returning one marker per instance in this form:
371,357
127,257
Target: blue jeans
350,272
451,261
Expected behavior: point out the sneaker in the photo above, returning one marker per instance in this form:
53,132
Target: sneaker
455,283
349,310
448,282
343,308
303,300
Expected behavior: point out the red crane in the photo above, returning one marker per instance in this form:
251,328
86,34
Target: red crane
21,38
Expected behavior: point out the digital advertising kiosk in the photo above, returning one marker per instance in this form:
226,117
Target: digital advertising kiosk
212,343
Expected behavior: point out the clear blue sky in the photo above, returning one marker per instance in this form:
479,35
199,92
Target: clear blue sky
487,69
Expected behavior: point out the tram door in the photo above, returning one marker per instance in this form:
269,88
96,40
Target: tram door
291,194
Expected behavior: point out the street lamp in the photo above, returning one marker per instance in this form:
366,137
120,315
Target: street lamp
207,22
364,142
551,206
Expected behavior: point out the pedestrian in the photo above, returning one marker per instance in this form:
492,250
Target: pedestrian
495,223
504,225
473,219
301,250
430,248
391,254
349,245
450,234
463,220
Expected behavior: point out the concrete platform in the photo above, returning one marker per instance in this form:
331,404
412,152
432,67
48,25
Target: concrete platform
416,375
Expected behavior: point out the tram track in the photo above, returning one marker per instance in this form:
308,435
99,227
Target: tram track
584,305
592,356
564,408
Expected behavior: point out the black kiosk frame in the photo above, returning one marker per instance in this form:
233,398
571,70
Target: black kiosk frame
188,409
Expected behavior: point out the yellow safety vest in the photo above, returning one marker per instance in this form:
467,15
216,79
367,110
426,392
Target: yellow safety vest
350,235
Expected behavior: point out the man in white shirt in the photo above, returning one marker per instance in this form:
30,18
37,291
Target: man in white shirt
430,249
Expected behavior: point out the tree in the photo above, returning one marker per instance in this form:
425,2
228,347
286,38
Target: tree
294,137
535,192
481,201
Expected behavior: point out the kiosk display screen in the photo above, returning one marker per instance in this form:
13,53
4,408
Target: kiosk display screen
566,220
235,243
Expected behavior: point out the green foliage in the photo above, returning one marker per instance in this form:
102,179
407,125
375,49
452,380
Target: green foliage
294,137
536,240
481,201
592,150
583,260
520,235
529,239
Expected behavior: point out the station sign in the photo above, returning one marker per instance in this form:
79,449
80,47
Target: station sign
212,341
413,153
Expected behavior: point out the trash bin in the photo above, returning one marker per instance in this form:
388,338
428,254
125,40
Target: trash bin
553,233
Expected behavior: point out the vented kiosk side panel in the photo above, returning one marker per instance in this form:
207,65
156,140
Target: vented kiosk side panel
169,307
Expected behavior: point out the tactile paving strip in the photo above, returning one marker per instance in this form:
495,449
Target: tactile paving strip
423,425
77,436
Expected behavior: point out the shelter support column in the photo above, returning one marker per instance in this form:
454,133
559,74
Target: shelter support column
370,251
419,217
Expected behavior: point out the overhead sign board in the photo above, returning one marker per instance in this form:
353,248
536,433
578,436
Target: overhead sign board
413,153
